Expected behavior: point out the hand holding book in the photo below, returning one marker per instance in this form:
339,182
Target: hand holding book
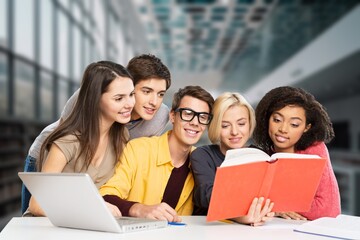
289,180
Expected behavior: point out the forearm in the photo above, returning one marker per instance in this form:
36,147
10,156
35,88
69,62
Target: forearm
202,194
35,208
123,205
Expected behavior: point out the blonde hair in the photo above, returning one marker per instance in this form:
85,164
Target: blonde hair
222,104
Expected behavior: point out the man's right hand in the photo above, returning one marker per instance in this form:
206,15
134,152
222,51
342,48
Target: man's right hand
160,211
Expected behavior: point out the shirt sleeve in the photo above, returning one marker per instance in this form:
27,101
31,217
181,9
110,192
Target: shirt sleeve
70,104
123,205
326,202
120,183
204,175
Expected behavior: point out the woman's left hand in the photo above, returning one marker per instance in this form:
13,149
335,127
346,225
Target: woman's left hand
257,214
290,215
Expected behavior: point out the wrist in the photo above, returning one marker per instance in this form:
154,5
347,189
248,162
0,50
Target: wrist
134,210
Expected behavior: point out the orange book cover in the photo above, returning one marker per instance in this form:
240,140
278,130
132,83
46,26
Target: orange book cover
290,182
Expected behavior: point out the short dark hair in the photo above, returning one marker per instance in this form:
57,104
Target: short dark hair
147,66
195,92
321,127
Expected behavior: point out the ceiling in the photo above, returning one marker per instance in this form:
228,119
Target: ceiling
233,44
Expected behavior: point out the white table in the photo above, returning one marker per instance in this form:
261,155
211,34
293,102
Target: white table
197,228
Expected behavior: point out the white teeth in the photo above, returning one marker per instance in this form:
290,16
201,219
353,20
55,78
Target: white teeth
191,131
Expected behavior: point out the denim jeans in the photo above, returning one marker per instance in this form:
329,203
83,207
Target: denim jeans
30,166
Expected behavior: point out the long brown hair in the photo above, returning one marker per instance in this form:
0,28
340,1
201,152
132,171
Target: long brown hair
83,121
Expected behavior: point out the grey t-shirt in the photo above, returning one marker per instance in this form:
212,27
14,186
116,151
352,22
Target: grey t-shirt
137,128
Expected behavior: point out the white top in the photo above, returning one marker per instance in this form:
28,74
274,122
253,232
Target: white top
197,228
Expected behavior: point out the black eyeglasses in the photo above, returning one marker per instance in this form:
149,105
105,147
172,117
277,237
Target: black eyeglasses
187,115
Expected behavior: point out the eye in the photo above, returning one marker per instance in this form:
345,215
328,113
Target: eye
225,125
188,112
119,99
146,92
295,125
204,117
276,119
161,95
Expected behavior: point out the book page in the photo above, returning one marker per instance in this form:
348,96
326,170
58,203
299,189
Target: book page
244,155
343,226
292,155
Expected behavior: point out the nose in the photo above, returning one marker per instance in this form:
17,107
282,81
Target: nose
154,100
195,120
234,130
283,128
131,102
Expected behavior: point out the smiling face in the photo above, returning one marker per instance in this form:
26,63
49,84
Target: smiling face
235,128
149,95
118,101
188,133
286,126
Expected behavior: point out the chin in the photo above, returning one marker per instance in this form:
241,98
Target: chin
147,117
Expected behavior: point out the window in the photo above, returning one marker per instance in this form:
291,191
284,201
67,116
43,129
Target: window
3,85
24,28
46,97
77,49
3,23
24,90
46,34
63,45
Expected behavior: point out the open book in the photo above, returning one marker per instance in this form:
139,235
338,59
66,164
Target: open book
343,227
289,180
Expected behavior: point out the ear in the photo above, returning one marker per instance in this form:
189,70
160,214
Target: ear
172,116
307,127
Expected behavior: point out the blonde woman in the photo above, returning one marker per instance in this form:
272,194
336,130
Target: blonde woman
231,127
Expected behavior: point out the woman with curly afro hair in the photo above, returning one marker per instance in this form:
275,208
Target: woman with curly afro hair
289,119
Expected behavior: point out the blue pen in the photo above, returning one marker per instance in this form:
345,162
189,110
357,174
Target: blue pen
177,223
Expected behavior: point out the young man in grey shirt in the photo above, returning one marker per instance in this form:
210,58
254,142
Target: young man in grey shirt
149,117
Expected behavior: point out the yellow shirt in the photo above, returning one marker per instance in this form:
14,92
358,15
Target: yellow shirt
144,170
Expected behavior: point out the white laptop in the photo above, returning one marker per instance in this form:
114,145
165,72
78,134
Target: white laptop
72,200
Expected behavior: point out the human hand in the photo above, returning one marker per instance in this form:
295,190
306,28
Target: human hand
113,209
290,215
257,214
34,208
160,211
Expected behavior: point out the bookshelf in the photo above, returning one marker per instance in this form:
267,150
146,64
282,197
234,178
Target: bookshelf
15,139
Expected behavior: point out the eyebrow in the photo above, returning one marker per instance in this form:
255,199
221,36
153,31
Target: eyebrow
292,118
147,88
240,119
151,89
120,95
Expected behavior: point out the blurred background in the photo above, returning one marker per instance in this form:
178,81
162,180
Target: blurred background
248,46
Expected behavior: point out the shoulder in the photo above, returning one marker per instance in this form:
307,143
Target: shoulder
145,141
68,138
162,115
318,148
164,109
205,150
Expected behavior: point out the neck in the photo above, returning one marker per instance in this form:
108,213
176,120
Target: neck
134,116
179,152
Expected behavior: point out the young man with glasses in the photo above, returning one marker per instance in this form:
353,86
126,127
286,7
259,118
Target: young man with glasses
153,179
148,118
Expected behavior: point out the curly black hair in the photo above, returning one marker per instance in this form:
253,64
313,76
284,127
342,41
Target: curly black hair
280,97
